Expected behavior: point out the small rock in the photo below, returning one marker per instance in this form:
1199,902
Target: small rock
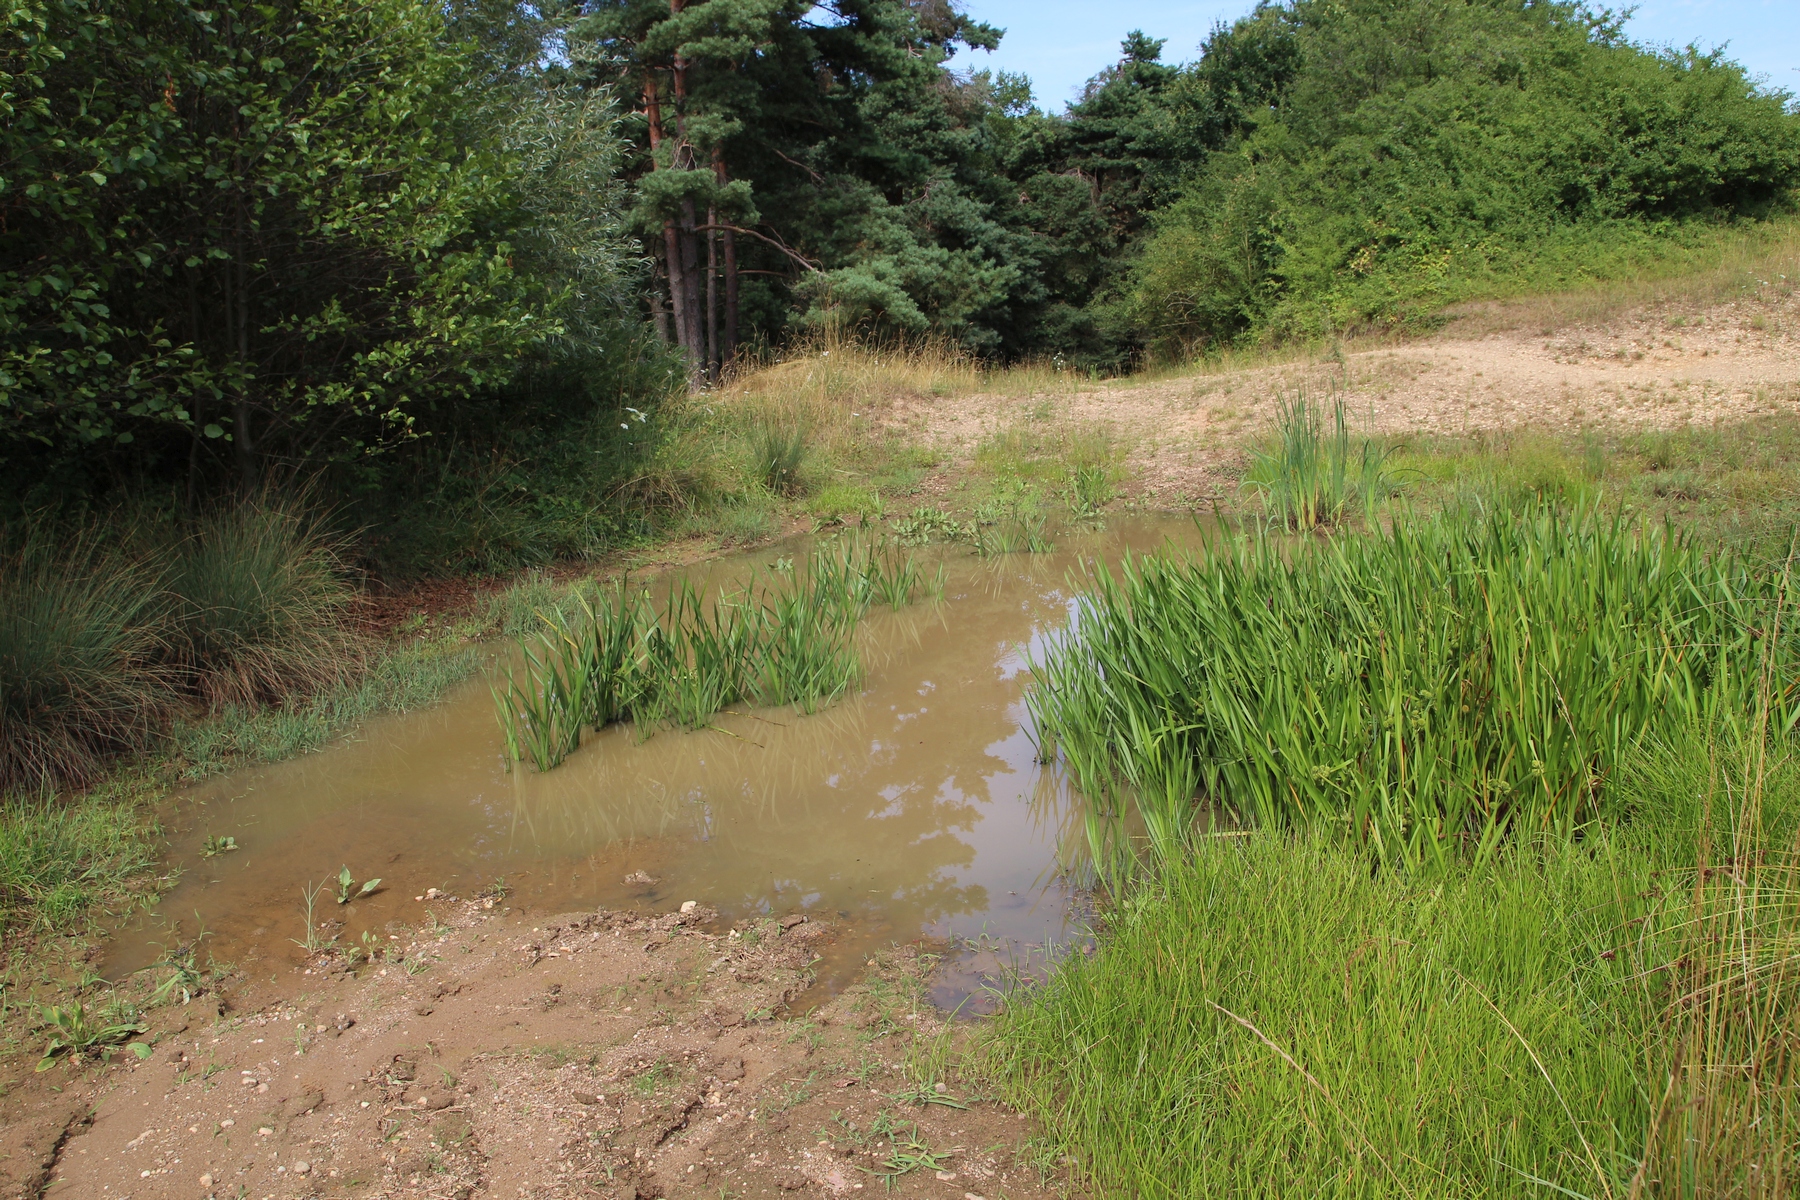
939,1088
642,878
264,1131
424,1010
227,1123
793,919
302,1167
688,906
206,1181
946,1176
586,1098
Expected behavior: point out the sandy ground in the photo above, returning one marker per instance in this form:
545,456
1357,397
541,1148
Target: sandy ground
493,1053
1182,437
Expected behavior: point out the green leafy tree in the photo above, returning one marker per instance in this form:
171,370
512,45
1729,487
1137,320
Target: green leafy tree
279,228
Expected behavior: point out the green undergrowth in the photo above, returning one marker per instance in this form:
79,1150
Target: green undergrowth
1608,1017
61,858
1735,483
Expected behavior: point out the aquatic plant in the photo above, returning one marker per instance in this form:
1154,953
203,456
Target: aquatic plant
347,889
786,638
1429,688
1308,473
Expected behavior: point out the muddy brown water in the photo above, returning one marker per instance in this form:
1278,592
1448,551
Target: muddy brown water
914,807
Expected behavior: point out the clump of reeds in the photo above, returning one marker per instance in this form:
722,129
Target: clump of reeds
1311,473
787,639
1431,688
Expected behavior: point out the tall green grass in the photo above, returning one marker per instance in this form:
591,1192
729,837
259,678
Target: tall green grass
258,595
1310,473
786,639
1271,1018
1432,688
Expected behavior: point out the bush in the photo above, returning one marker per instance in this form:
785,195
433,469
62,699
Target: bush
1412,153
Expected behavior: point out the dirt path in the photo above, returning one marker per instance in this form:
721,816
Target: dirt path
596,1054
1664,366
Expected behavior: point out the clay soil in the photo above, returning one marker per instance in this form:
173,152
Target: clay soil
492,1053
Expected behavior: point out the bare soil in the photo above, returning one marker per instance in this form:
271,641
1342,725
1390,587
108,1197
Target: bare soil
493,1053
1182,438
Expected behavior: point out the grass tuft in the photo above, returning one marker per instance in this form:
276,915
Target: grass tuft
80,647
258,600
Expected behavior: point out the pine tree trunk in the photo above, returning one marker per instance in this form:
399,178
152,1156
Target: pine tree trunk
728,349
689,237
672,256
712,294
659,315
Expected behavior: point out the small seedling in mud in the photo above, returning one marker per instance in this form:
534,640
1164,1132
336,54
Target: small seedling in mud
416,966
915,1155
370,949
74,1031
212,847
347,889
315,939
796,1092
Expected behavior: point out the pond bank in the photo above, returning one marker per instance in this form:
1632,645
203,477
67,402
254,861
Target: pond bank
492,1052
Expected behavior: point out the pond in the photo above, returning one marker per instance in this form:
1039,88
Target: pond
914,807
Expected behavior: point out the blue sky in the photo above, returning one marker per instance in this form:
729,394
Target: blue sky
1060,43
